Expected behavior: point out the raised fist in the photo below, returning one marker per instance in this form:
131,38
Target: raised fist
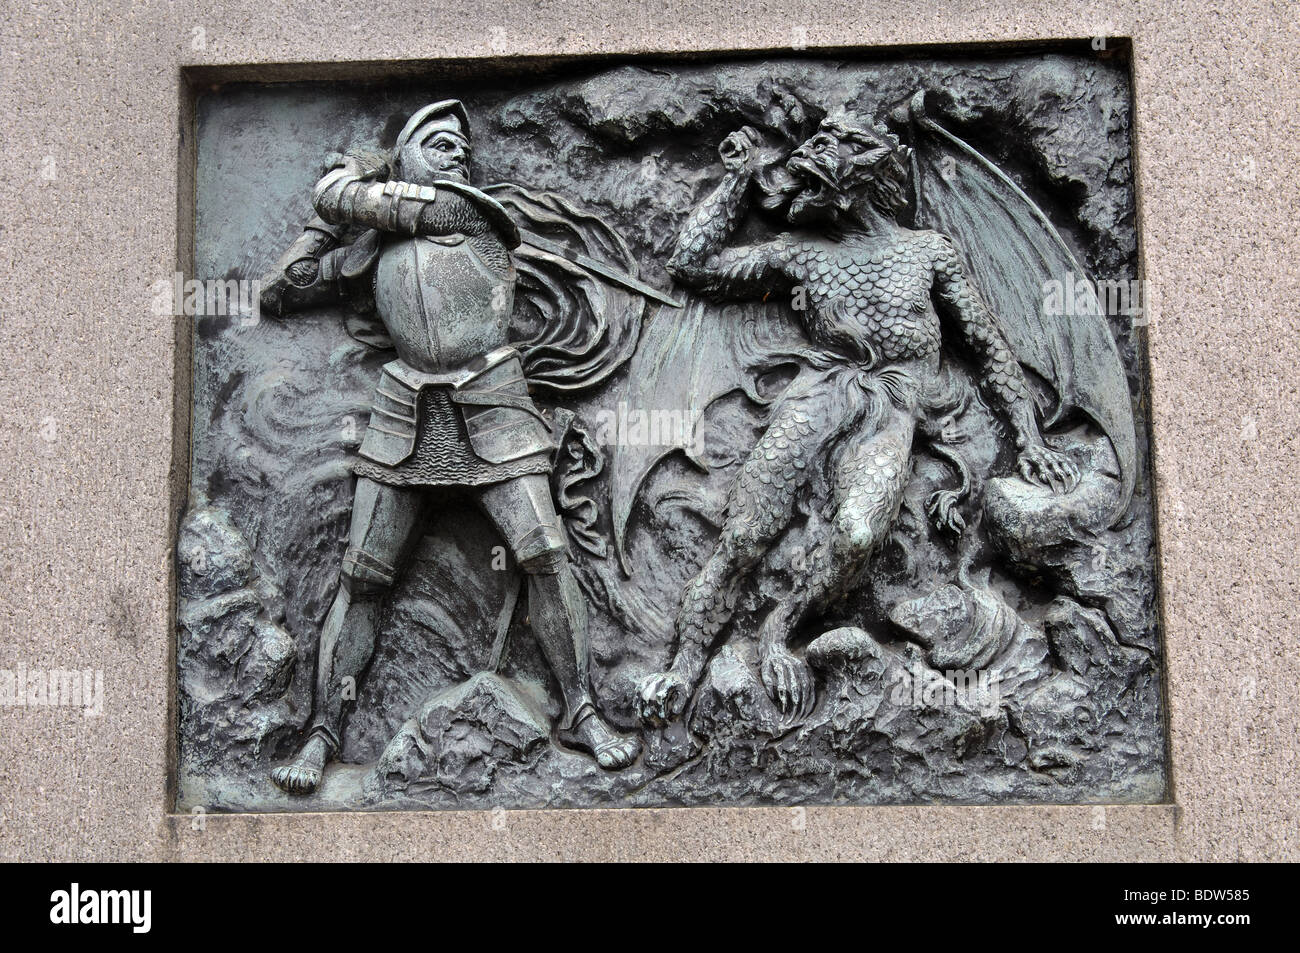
739,151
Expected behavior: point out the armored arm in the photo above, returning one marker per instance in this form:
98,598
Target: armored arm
301,261
351,194
294,282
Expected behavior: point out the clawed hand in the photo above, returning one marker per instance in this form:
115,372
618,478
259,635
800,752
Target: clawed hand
1046,467
789,682
739,151
663,697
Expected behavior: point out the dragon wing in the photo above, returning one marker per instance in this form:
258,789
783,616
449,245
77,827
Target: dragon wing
687,360
1013,251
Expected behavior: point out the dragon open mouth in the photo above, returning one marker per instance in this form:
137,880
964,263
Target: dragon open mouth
818,188
810,171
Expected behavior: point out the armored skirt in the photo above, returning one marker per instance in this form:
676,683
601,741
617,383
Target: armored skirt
472,428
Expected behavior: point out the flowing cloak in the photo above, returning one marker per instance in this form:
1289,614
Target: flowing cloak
573,329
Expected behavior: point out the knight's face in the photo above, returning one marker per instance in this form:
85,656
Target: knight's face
441,156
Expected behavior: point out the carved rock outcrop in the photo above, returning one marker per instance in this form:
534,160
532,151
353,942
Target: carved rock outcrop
235,662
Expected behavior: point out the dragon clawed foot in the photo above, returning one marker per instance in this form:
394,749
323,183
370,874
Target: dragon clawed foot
943,509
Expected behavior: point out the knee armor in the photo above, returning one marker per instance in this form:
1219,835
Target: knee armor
366,575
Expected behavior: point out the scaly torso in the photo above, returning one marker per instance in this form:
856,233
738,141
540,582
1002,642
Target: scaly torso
870,300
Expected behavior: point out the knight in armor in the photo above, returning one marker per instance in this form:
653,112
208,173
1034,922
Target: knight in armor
432,257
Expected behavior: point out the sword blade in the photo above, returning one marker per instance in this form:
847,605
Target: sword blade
596,267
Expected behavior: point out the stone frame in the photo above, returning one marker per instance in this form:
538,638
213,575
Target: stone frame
1224,805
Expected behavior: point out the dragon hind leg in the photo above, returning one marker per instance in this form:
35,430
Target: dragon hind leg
870,473
762,504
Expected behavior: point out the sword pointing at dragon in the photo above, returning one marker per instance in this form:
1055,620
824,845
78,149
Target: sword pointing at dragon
489,296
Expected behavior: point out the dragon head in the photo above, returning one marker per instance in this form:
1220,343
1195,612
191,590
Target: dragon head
846,165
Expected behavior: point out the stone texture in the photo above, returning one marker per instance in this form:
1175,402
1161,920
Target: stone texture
93,433
460,737
235,661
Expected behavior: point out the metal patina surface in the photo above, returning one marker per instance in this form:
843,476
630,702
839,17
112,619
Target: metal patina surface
760,431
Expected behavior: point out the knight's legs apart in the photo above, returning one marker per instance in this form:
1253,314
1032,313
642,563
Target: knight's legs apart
384,520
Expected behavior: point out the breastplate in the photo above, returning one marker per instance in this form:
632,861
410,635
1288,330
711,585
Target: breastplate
442,302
